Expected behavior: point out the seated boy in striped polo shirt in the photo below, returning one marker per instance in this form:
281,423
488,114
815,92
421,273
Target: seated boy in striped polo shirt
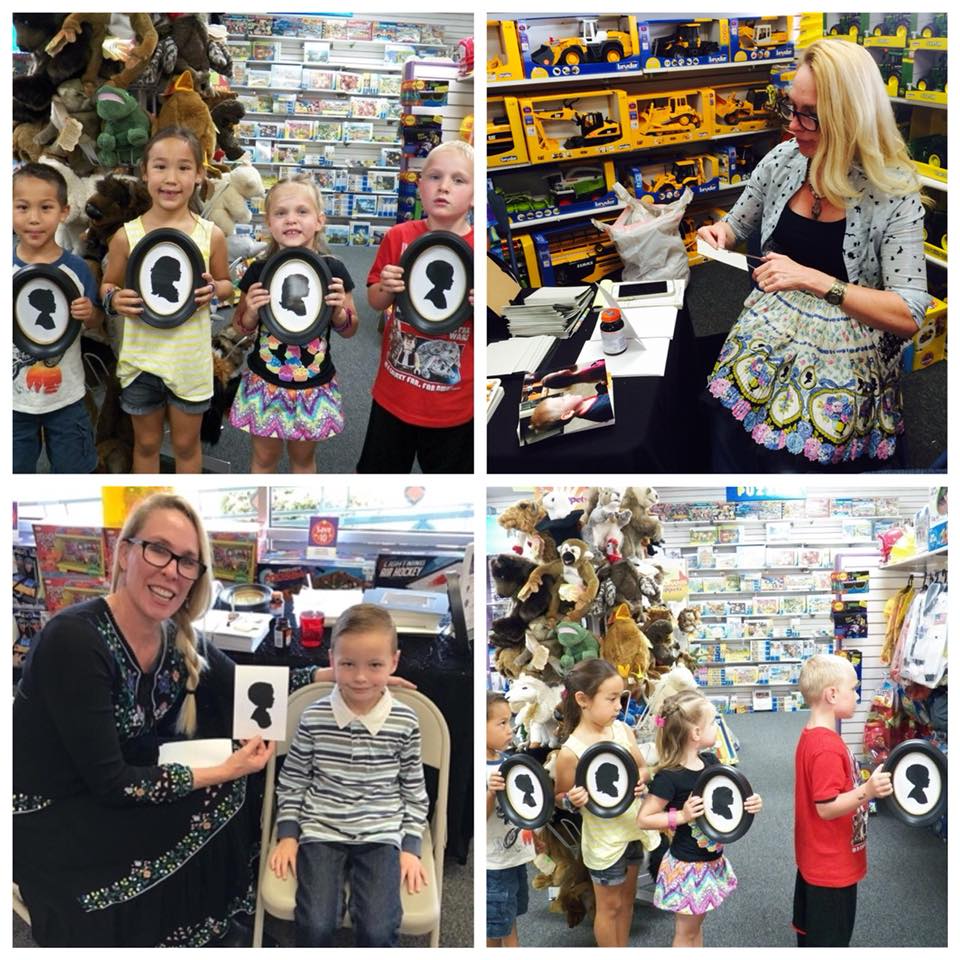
351,796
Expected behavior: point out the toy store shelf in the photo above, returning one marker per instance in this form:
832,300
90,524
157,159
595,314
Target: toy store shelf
920,561
738,663
557,217
342,41
919,103
739,520
715,640
756,616
658,72
812,542
721,686
756,593
763,566
937,261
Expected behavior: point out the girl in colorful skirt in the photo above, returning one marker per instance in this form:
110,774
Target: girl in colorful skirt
290,393
695,877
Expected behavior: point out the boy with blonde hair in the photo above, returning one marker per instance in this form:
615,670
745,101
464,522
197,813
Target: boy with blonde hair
423,409
351,796
830,813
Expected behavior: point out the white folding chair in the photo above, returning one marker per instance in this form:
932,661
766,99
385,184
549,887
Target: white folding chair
421,911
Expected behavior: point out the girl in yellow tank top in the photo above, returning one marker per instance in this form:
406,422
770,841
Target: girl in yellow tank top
167,373
611,847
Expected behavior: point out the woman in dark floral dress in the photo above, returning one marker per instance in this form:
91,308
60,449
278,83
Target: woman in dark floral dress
110,847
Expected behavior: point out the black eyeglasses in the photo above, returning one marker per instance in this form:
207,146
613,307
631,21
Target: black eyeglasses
809,121
157,555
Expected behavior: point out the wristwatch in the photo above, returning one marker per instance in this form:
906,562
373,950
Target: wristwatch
836,293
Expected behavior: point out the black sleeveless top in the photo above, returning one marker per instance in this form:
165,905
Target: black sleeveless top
812,243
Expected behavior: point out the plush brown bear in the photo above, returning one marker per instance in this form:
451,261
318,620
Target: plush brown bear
116,200
226,115
509,574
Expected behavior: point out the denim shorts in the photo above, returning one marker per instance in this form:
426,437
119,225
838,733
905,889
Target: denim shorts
148,393
616,873
66,433
507,898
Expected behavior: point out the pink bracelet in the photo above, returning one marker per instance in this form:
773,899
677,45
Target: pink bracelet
671,819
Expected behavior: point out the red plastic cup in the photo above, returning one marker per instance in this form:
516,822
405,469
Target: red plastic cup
311,628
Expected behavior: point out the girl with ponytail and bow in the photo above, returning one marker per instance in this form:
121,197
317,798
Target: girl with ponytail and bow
694,877
111,847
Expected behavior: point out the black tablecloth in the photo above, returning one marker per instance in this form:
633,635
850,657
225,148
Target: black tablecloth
444,674
658,428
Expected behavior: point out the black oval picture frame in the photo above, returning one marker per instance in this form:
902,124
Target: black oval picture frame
606,767
715,822
526,803
296,313
42,325
438,278
918,772
176,267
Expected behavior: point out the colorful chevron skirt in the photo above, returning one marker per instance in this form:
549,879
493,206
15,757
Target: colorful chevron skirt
265,410
693,888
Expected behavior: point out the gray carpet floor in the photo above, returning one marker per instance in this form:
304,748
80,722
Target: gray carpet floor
902,902
456,920
715,297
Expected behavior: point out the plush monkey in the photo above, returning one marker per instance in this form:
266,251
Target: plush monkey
576,581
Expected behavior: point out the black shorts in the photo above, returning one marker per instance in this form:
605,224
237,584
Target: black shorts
823,916
391,445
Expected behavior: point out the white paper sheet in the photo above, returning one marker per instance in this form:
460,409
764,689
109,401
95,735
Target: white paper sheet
196,753
646,358
260,702
737,260
646,322
517,354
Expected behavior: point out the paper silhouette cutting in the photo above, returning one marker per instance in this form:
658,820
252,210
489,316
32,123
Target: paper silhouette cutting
163,275
919,776
261,695
295,288
607,776
524,782
46,303
440,274
721,801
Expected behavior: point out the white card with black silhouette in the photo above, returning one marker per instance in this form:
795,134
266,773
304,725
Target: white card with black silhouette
260,702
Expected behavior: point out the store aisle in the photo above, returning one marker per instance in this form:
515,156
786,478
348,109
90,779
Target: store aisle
907,867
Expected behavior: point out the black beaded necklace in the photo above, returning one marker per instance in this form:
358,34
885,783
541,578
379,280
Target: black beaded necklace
817,198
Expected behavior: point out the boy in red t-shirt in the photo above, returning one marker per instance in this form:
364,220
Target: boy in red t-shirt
423,393
830,815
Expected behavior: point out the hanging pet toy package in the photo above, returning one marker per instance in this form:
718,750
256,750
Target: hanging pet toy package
647,236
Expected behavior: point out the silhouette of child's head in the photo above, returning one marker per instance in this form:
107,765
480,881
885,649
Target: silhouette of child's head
440,274
261,695
295,288
607,776
43,300
919,776
721,801
163,275
525,782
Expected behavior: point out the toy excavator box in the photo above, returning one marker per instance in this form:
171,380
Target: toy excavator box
665,182
674,116
669,44
506,145
740,109
503,52
574,254
568,126
761,38
579,46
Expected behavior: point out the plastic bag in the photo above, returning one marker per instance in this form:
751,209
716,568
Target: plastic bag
647,237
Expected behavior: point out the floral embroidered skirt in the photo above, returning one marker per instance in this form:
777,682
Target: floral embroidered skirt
804,377
169,874
693,888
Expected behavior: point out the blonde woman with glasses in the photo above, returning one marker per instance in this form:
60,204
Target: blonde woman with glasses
808,378
110,847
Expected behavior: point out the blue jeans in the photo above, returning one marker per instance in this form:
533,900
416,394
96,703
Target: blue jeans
373,870
508,897
67,435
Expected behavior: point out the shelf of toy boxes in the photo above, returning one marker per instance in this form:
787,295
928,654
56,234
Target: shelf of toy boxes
606,166
361,196
746,659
